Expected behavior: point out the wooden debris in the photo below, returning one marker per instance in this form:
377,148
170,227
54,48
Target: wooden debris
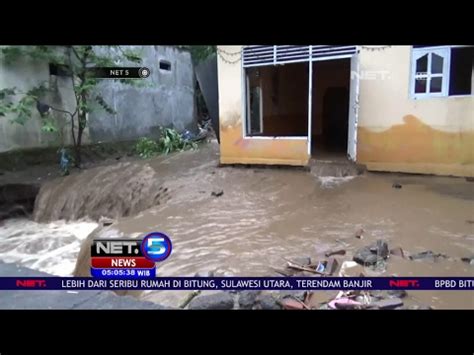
295,266
189,298
335,252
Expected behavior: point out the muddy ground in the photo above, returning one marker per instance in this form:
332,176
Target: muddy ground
263,216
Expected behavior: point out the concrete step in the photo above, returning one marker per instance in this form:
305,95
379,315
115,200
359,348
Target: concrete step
335,168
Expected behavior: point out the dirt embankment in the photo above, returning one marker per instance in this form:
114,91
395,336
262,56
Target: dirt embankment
114,191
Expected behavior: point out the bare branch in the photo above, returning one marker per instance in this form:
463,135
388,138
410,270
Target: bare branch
75,53
72,81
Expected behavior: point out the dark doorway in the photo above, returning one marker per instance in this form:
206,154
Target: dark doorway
330,114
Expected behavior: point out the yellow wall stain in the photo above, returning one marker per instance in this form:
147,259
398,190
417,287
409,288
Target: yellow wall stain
238,150
405,146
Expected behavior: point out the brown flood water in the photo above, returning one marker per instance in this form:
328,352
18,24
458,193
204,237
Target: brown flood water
267,214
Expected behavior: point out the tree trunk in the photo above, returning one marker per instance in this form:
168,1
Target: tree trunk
80,131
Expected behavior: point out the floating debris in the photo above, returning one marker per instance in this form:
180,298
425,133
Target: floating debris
218,193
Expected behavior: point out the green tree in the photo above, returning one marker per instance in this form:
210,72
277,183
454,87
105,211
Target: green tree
200,53
76,62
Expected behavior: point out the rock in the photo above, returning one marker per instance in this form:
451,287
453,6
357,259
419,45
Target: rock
247,299
344,303
287,272
397,293
469,260
420,307
389,303
359,234
302,260
423,255
223,273
290,303
380,248
222,300
427,256
335,252
397,251
300,295
307,274
365,257
377,294
371,254
204,274
267,302
350,269
105,222
315,299
397,186
217,193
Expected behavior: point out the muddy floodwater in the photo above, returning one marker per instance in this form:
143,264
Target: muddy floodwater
265,215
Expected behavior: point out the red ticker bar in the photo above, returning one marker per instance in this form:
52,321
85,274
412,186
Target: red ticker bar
104,262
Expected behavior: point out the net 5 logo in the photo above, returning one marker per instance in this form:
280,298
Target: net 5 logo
156,246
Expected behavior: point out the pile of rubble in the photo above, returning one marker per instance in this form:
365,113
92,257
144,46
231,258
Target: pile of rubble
369,259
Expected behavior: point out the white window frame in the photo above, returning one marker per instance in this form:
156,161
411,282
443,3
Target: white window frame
280,55
445,53
249,126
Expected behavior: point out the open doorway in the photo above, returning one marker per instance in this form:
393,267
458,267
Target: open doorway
277,100
330,108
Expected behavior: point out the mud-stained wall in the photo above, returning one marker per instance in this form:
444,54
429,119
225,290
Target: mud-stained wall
398,133
234,147
395,132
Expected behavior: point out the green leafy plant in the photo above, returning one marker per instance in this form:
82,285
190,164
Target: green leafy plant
146,147
171,141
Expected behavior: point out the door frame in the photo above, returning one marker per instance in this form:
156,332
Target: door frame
353,102
255,56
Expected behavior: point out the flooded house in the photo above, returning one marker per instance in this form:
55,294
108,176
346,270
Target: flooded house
392,108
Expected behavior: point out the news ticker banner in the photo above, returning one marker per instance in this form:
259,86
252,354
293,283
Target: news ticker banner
239,283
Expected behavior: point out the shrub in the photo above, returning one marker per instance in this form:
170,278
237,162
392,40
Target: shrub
147,147
171,141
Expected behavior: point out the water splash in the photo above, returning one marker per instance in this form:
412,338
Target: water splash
49,247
